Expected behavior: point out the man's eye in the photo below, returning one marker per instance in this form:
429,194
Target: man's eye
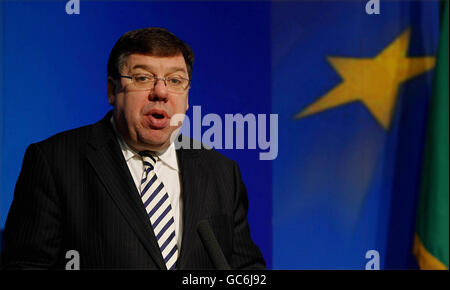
175,81
142,78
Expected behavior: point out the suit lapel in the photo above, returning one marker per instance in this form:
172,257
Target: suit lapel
194,184
107,160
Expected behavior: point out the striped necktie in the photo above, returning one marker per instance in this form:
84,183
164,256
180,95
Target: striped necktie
157,204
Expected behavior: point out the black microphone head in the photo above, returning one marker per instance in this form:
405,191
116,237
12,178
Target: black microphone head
212,246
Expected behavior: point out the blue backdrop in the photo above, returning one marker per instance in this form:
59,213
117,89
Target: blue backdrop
342,183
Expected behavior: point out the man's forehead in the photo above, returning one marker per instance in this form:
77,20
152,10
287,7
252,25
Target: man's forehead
152,62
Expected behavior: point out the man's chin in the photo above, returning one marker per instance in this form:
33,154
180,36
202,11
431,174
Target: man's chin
154,144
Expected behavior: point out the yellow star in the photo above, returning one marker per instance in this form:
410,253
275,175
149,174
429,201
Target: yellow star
373,81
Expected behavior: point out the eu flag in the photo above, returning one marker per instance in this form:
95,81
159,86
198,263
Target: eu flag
352,91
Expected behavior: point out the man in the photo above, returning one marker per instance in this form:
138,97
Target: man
118,192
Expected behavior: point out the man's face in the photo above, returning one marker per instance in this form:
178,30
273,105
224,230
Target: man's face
143,116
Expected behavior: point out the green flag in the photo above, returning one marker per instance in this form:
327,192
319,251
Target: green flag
431,240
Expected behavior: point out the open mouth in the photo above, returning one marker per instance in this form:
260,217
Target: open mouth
158,119
158,116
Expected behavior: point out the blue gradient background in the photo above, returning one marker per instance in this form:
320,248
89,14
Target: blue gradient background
340,186
54,75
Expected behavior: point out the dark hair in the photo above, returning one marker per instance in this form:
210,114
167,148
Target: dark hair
153,41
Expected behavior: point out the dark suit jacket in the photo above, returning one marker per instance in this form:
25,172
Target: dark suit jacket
75,192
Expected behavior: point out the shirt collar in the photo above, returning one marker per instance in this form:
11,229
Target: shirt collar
168,156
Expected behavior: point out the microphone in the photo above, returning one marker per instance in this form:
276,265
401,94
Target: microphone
212,246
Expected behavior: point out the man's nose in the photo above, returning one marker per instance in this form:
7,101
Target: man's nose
159,92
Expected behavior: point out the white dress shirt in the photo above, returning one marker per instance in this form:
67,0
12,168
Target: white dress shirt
166,168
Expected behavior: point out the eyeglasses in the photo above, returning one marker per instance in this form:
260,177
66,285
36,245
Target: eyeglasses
148,82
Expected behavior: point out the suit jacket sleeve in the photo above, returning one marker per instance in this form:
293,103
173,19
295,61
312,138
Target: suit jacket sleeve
246,255
33,231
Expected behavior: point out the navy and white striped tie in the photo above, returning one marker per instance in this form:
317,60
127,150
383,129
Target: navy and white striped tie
159,210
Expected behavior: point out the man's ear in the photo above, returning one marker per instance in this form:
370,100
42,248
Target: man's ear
187,102
111,88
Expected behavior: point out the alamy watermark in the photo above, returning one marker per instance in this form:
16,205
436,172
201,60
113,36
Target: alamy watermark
373,7
374,260
74,260
73,7
219,134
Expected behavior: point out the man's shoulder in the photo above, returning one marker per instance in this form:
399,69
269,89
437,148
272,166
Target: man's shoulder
75,138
